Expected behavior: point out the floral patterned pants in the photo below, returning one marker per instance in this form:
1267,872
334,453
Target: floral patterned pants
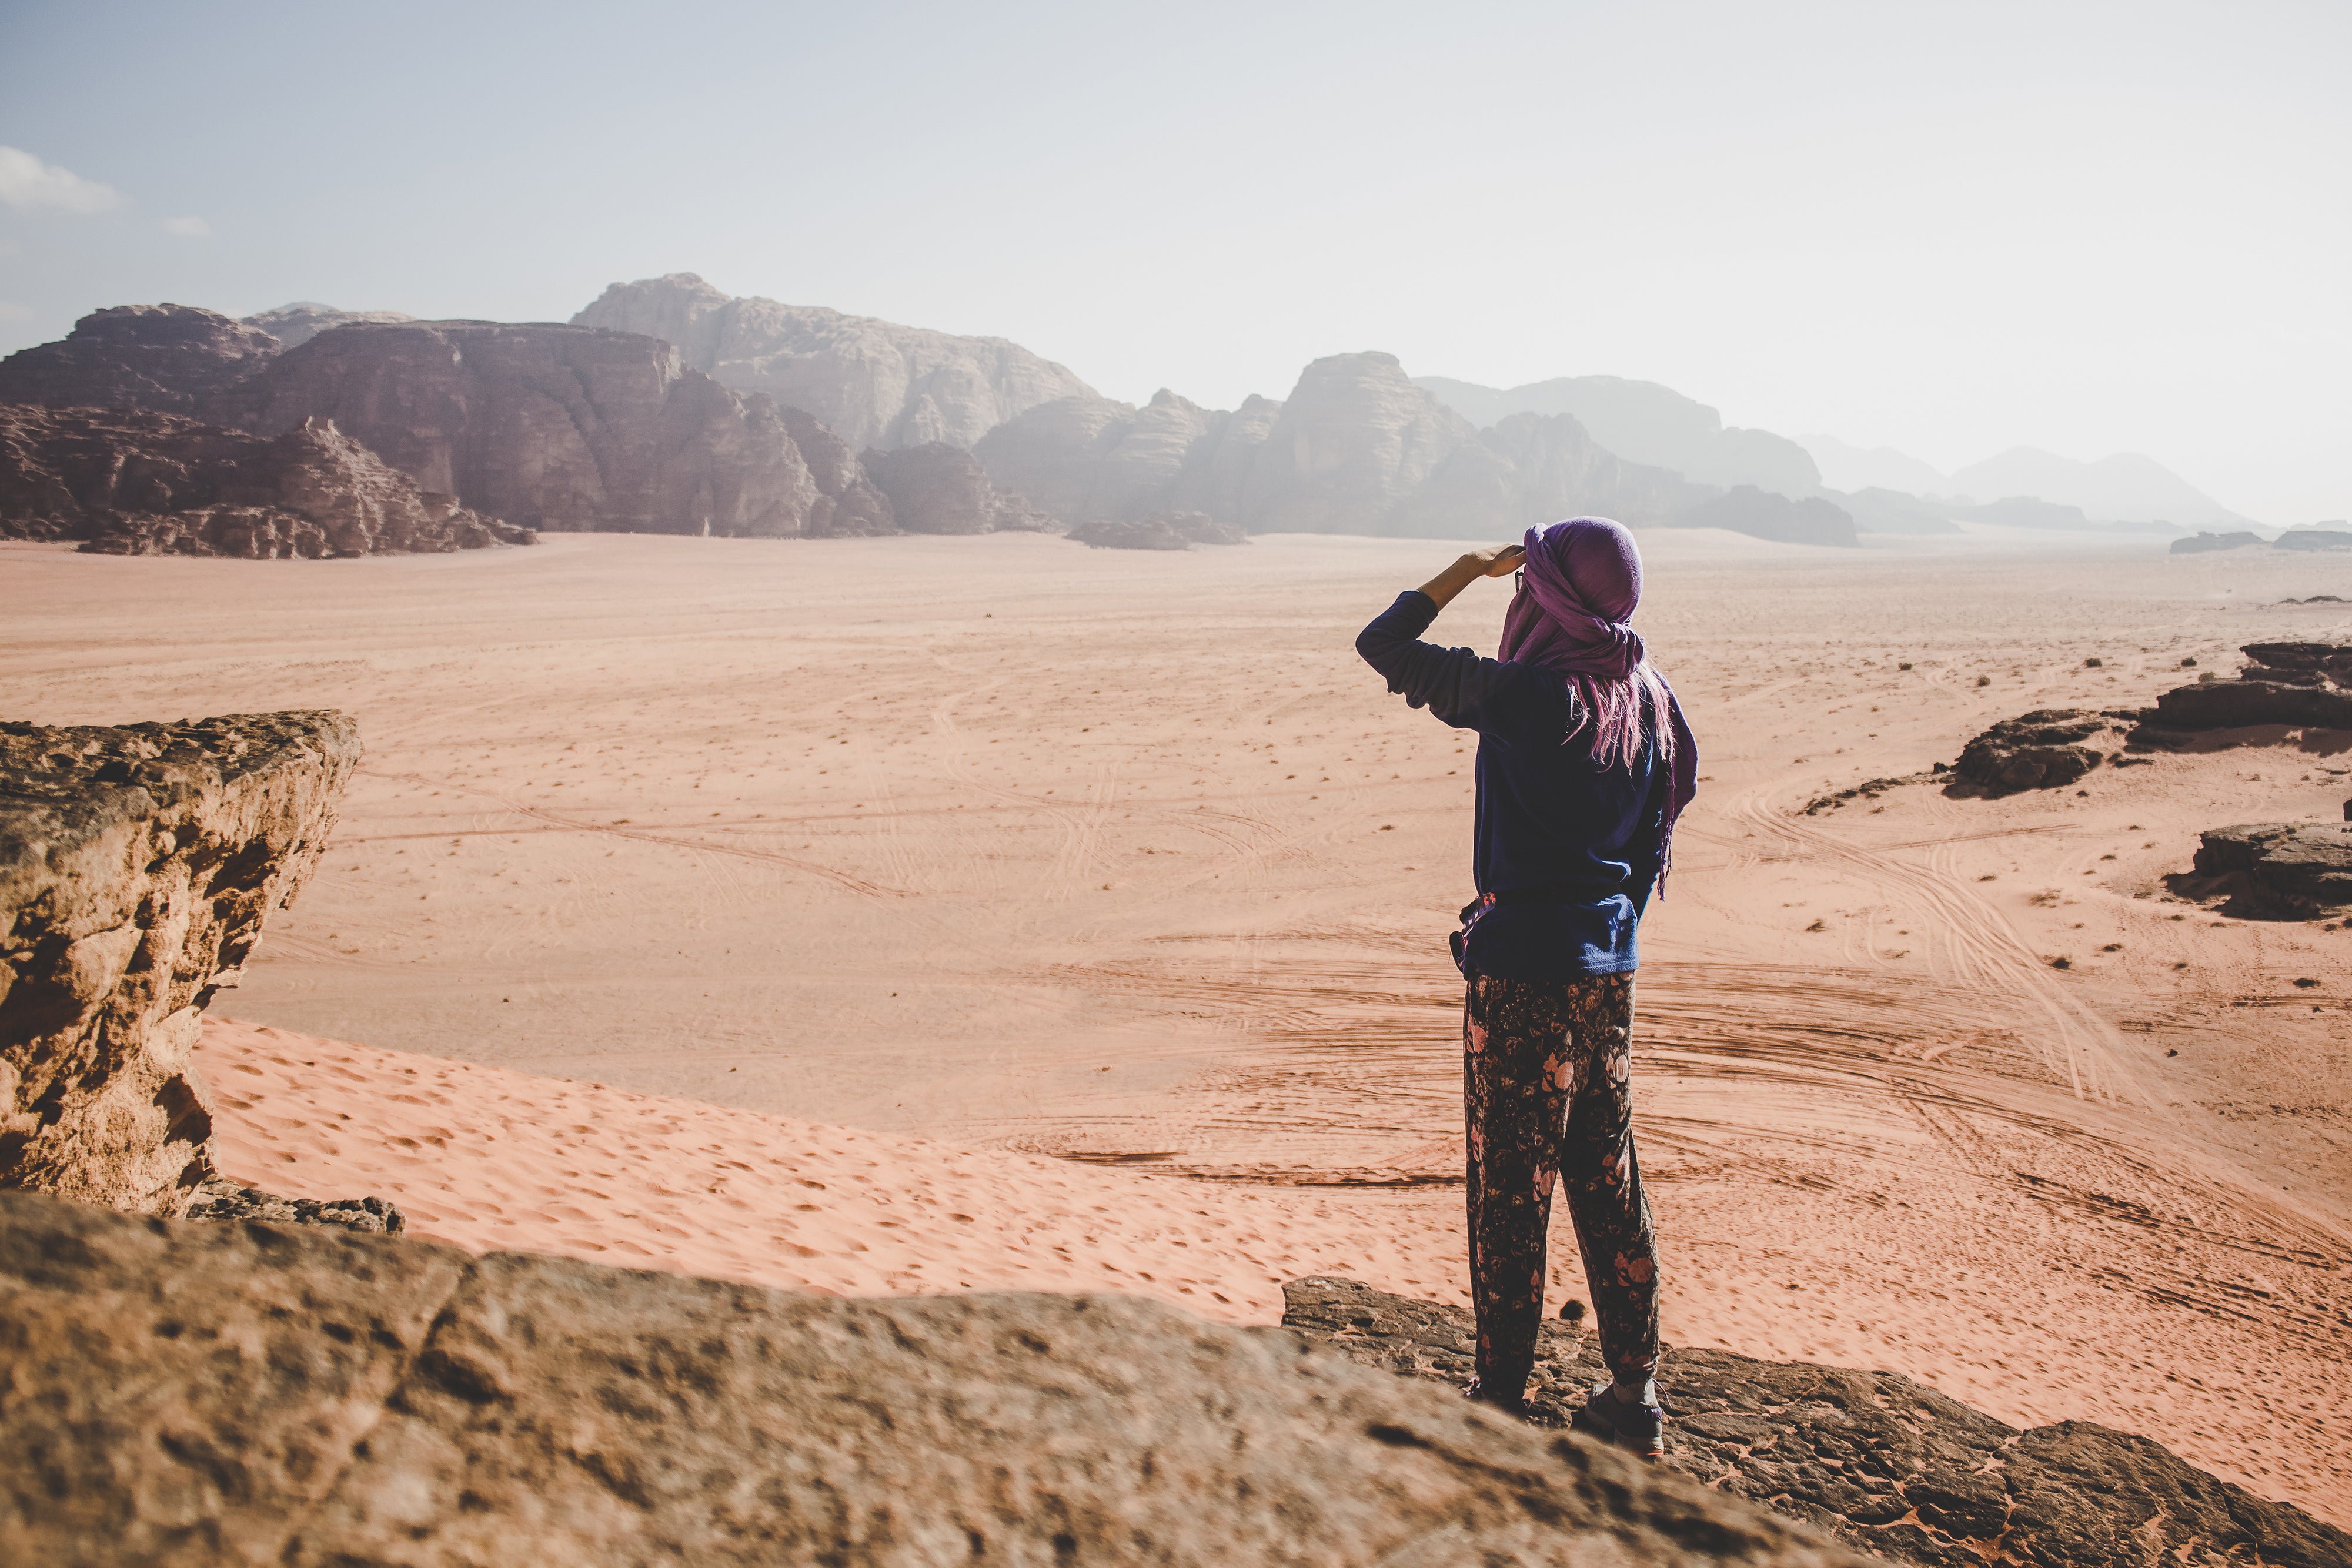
1547,1096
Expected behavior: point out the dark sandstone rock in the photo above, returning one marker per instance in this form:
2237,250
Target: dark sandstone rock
132,483
137,865
1886,1464
2304,868
1162,530
2314,540
263,1394
2039,750
935,488
222,1200
170,359
2201,543
551,427
1745,509
2236,704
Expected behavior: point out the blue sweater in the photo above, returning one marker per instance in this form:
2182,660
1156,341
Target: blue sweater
1569,847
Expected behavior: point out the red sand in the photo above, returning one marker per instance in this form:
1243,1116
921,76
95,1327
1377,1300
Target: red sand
1000,848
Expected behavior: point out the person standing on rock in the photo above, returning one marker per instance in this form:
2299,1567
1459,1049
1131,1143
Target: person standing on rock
1584,763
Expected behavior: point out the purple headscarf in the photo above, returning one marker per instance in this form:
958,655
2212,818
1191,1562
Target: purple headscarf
1583,580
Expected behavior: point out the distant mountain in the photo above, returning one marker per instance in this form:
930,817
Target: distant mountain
1846,467
296,324
874,383
2125,487
1646,422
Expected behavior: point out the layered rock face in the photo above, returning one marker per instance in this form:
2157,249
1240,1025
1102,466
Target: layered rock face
936,488
2302,868
1888,1466
2039,750
137,865
556,427
170,359
296,324
131,483
305,1398
874,383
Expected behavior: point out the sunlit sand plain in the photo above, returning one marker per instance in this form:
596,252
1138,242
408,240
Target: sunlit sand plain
1026,861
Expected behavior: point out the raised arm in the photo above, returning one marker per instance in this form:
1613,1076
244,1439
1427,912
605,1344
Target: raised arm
1456,684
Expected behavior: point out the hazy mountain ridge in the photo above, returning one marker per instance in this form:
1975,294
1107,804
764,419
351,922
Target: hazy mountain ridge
2123,487
1644,422
876,383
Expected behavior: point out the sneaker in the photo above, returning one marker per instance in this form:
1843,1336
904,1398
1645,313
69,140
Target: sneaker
1636,1428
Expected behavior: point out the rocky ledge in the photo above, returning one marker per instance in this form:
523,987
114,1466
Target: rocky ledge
136,867
2300,869
260,1394
2302,685
2039,750
1884,1463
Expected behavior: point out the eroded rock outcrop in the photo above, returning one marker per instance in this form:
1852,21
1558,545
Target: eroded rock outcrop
1745,509
936,488
2039,750
169,359
552,427
131,483
137,865
2298,867
876,383
2300,684
1886,1464
311,1398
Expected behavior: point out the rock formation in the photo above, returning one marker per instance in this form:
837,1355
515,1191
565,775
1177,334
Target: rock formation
1354,439
556,427
873,382
169,359
2302,868
936,488
198,1392
2324,537
1087,459
296,324
2039,750
1646,424
131,483
1888,1466
2200,544
137,865
1745,509
1162,530
2292,684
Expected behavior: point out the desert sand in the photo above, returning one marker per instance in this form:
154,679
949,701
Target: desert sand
1077,919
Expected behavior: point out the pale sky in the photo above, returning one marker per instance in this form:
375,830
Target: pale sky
1949,229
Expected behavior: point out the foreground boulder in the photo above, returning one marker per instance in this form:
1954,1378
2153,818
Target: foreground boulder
137,865
132,483
1888,1465
2039,750
243,1393
166,359
2303,868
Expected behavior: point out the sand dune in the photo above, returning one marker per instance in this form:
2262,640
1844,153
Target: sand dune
996,848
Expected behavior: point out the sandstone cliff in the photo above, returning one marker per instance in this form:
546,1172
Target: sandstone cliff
166,358
131,483
557,427
247,1393
137,865
936,488
874,382
296,324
